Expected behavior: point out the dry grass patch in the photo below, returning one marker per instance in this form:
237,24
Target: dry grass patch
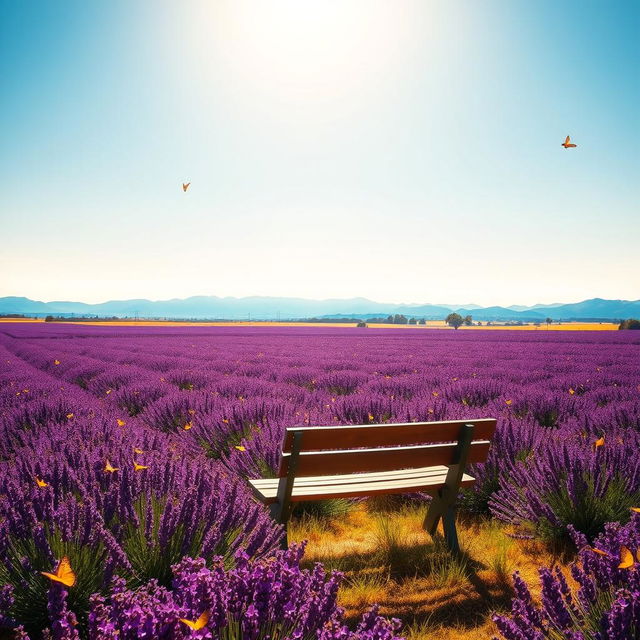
388,558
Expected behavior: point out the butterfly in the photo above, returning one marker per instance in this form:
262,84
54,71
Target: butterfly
599,442
571,391
41,483
110,468
567,144
508,401
139,467
137,450
636,509
64,573
185,185
56,362
197,624
121,423
626,558
69,416
240,448
187,426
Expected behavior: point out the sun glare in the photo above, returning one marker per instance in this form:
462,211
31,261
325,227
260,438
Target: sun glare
289,50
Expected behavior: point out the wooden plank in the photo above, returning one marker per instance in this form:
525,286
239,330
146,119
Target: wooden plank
315,463
387,435
429,484
358,478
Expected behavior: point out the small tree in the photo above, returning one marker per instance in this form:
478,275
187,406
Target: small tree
413,321
422,321
631,323
400,319
467,321
454,320
49,319
362,325
548,321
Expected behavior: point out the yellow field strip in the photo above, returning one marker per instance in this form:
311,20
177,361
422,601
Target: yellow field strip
436,324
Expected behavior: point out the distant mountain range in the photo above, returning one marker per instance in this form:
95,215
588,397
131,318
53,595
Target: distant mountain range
268,308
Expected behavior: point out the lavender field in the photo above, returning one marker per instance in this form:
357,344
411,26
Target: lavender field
127,450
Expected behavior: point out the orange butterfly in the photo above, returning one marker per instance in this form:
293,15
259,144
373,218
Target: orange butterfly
136,450
64,573
185,186
571,391
121,423
56,362
599,442
41,483
139,467
187,426
626,558
197,624
110,468
567,144
636,509
69,416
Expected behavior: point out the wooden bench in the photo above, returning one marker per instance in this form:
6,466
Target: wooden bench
320,463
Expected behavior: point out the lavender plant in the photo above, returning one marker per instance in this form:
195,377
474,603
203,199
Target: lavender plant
605,605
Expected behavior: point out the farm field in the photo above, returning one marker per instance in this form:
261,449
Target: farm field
127,449
430,324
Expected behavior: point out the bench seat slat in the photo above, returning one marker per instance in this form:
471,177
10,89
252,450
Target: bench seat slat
326,487
358,478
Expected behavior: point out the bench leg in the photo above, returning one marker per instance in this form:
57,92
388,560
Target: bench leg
450,533
435,512
276,513
440,508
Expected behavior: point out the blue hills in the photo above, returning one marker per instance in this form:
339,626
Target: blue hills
269,308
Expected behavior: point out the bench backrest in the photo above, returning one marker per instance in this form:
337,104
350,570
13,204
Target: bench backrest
382,447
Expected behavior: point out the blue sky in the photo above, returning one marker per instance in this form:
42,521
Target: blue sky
402,151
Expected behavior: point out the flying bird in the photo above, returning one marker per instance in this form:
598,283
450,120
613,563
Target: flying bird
567,144
185,185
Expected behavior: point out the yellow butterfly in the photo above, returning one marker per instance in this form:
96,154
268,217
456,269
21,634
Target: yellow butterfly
69,415
571,391
108,391
435,394
139,467
508,401
240,448
121,423
371,418
197,624
636,509
136,450
599,442
187,426
110,468
56,362
64,573
626,558
41,483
